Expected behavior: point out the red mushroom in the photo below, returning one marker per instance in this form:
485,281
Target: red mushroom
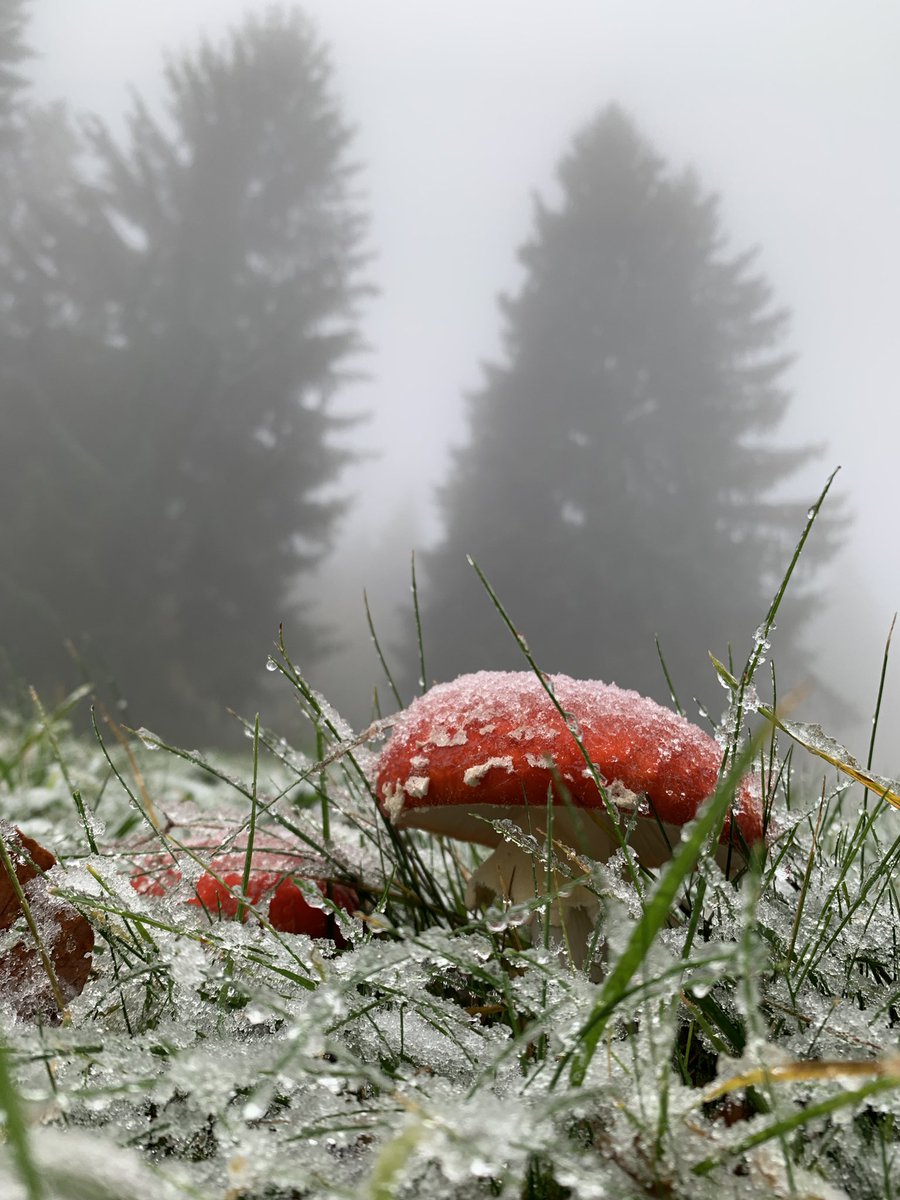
271,888
493,745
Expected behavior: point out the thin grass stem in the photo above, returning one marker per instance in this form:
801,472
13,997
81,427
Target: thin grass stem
380,652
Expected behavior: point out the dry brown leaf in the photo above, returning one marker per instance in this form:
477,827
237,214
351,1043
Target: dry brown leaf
39,974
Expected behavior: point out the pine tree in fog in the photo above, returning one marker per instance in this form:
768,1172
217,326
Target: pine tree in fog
13,54
197,312
617,482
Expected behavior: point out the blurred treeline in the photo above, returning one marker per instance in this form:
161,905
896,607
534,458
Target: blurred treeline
178,309
181,304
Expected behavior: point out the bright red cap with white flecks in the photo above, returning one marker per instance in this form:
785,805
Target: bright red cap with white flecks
496,738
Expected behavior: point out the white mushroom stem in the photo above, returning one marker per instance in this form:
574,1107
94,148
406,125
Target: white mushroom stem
519,877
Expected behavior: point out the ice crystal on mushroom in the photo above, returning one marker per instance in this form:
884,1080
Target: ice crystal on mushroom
474,775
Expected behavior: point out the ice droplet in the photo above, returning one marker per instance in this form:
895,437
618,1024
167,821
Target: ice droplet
148,738
512,918
572,723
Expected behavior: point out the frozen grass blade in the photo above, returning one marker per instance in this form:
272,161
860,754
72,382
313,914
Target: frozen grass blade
762,636
817,742
804,1116
251,829
844,1068
323,788
423,678
807,875
17,1131
668,678
128,751
656,910
380,653
391,1160
148,815
779,595
57,754
567,718
877,715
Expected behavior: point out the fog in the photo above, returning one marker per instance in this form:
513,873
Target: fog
461,114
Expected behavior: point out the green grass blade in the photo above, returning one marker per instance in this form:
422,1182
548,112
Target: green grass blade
817,742
251,829
753,662
676,703
17,1131
423,678
611,811
796,1120
656,910
377,644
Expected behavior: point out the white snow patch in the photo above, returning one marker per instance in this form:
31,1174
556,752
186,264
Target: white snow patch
541,760
443,737
473,777
394,798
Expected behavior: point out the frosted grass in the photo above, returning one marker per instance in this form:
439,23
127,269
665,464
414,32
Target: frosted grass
742,1046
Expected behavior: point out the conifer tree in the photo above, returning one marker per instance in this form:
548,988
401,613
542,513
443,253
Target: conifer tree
618,481
207,274
13,52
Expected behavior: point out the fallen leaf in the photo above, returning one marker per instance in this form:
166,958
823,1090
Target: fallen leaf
50,961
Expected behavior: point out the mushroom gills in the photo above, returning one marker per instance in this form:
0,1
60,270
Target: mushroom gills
514,875
589,831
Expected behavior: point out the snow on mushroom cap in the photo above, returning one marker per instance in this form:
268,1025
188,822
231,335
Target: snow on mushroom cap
495,737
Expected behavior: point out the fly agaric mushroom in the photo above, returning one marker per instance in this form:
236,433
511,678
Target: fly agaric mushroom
271,888
492,746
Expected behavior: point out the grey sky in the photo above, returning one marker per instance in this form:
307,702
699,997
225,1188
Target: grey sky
788,111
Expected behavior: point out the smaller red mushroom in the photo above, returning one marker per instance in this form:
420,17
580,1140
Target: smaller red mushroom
493,745
271,888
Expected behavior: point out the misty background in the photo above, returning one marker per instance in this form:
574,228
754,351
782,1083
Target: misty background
252,351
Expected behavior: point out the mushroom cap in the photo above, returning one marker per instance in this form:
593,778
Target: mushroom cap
271,887
494,738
